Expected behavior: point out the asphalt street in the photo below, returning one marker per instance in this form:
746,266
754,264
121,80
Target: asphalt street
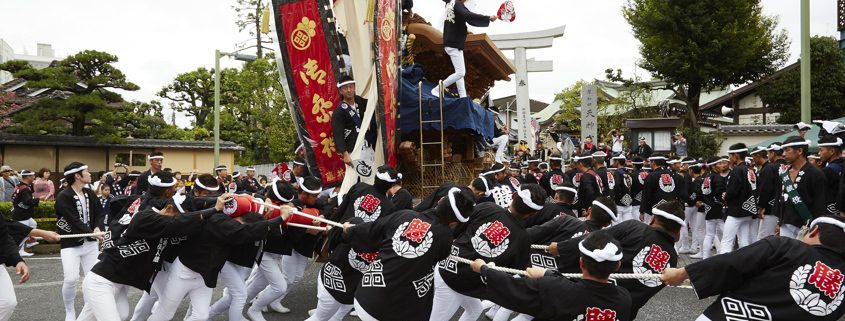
41,299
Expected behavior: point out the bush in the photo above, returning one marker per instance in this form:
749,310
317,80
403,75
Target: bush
45,214
701,144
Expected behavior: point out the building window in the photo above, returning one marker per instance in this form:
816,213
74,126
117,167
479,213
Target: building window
138,159
662,140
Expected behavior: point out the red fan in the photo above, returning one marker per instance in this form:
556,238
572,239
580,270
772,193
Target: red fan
507,12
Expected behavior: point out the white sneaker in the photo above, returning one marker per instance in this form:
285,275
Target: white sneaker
435,91
684,251
698,255
29,245
254,314
25,254
278,307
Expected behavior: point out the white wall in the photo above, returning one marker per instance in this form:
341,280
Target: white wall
6,54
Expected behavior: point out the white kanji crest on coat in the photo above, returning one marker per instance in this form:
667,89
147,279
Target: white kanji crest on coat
541,260
667,183
502,196
611,181
817,288
752,179
375,276
450,11
361,261
514,182
496,234
424,285
642,176
576,180
367,207
705,186
333,278
737,310
651,259
597,314
416,231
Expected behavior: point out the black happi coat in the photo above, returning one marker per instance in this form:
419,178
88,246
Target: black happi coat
18,231
562,227
248,185
135,256
607,189
248,254
589,187
712,188
660,186
832,173
399,285
71,218
297,238
8,247
206,252
695,193
142,183
550,210
622,187
23,204
637,180
455,26
685,182
344,128
493,235
431,201
776,278
550,180
402,200
645,250
811,183
554,297
740,191
768,181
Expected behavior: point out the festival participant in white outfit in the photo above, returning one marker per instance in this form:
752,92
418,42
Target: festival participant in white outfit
622,191
454,37
768,180
740,200
802,188
23,206
78,210
9,257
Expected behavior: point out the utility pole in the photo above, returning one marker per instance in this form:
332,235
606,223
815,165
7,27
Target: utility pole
841,24
805,61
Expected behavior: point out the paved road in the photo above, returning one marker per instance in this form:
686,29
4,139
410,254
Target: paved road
40,298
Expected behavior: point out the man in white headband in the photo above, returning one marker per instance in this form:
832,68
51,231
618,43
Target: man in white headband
776,278
347,120
593,297
589,184
830,151
156,159
409,245
623,182
601,214
802,188
248,184
555,176
740,201
659,186
493,234
767,183
652,243
24,204
79,212
638,176
599,166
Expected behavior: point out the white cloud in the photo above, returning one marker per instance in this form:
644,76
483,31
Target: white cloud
155,40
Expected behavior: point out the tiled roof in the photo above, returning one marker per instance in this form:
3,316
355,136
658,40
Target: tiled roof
755,129
84,141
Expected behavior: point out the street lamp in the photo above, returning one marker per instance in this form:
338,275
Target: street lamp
217,72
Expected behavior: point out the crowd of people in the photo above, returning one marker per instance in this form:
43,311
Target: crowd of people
766,224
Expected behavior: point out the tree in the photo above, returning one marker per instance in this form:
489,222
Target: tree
783,95
702,45
90,108
146,120
193,92
249,14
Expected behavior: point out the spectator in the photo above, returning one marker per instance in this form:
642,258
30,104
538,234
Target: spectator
616,140
643,150
7,183
105,195
588,145
680,143
540,152
44,188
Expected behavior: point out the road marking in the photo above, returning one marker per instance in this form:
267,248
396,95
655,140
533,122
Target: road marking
38,285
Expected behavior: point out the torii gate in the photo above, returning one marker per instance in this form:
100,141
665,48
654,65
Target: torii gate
519,42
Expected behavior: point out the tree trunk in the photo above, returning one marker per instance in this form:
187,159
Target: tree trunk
693,97
258,16
78,126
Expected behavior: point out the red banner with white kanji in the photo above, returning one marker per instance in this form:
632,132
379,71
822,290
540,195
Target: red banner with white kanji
309,70
387,57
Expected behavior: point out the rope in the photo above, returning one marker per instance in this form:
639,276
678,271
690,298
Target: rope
539,247
636,276
71,236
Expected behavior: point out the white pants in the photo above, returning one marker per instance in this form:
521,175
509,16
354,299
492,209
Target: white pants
754,229
501,145
635,212
270,276
144,307
362,314
327,307
457,57
736,228
502,314
712,229
183,281
104,299
625,214
683,243
30,222
790,231
8,300
447,301
523,317
233,277
767,226
698,231
84,255
646,218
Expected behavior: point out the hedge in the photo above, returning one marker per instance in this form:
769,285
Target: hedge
45,214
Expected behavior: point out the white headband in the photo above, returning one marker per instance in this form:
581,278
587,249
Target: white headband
774,147
814,156
298,163
525,195
155,157
804,143
458,215
27,173
341,84
555,158
279,196
620,157
250,168
606,209
386,177
301,182
487,190
672,162
758,150
566,188
178,199
197,183
608,253
828,220
599,154
656,158
637,163
221,167
837,143
688,161
666,215
717,161
134,174
493,171
76,170
577,158
156,181
741,150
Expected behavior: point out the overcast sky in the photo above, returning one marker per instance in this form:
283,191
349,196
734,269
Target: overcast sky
156,40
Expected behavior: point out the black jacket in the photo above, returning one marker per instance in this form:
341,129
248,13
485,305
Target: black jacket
143,183
832,173
740,192
344,129
767,192
8,247
71,218
811,184
455,29
660,186
23,204
402,200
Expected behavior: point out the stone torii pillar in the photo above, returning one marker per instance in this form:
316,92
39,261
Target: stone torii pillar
519,43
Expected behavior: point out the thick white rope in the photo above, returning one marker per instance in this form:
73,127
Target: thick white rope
310,227
71,236
637,276
539,247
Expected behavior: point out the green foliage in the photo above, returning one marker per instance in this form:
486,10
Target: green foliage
45,209
193,93
705,44
701,144
827,84
146,120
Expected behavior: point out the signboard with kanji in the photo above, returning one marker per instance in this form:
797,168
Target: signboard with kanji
309,69
387,58
589,111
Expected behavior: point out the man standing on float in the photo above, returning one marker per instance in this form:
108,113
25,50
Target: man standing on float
454,36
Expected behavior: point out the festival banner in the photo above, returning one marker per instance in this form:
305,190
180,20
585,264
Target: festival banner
305,43
386,29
